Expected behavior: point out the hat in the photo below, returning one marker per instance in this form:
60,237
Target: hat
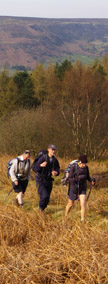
83,159
52,146
27,152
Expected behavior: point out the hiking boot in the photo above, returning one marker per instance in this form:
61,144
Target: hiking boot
16,202
82,222
21,205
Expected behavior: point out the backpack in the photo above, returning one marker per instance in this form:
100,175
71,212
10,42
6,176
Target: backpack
40,154
10,163
65,178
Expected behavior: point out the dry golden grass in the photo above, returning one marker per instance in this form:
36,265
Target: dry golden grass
37,248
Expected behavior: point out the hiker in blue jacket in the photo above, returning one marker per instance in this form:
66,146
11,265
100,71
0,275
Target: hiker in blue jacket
78,185
46,167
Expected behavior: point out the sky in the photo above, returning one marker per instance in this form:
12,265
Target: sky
55,8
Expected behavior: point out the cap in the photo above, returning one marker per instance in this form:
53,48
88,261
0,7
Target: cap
52,146
83,159
27,152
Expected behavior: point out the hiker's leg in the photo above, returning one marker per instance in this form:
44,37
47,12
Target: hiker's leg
19,197
49,189
68,207
44,196
23,185
82,198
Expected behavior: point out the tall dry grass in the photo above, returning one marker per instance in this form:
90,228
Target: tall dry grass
38,248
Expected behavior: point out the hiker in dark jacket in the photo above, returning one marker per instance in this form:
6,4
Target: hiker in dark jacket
46,167
78,185
20,175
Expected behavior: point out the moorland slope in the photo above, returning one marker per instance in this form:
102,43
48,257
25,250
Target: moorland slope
25,41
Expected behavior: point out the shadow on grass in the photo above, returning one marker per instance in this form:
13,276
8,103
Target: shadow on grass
55,211
29,205
104,213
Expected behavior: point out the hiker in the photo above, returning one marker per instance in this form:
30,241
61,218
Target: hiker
46,167
78,185
20,175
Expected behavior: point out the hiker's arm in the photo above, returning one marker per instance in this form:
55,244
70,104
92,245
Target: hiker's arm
92,180
13,172
39,163
56,170
88,175
29,172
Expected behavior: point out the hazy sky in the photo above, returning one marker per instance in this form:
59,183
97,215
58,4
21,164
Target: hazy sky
55,8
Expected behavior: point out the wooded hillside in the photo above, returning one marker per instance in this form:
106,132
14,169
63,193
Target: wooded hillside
63,104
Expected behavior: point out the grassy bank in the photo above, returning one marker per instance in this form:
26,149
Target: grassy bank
45,248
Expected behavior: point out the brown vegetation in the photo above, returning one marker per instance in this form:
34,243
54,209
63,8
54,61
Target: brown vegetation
37,249
64,104
45,248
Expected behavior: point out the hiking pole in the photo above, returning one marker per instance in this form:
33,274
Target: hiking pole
89,192
94,180
8,193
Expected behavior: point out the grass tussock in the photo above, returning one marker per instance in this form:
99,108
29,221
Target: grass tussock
36,248
44,248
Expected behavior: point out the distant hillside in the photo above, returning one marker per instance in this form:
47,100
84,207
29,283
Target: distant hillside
25,41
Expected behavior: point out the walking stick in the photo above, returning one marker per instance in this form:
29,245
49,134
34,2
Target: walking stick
8,193
89,192
94,180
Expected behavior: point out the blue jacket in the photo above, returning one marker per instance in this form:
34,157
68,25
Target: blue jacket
46,172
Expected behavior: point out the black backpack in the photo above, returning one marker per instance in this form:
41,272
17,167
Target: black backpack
40,154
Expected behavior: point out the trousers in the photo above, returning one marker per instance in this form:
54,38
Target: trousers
44,191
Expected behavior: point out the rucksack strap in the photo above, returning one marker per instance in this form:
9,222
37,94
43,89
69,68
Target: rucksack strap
75,169
18,160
